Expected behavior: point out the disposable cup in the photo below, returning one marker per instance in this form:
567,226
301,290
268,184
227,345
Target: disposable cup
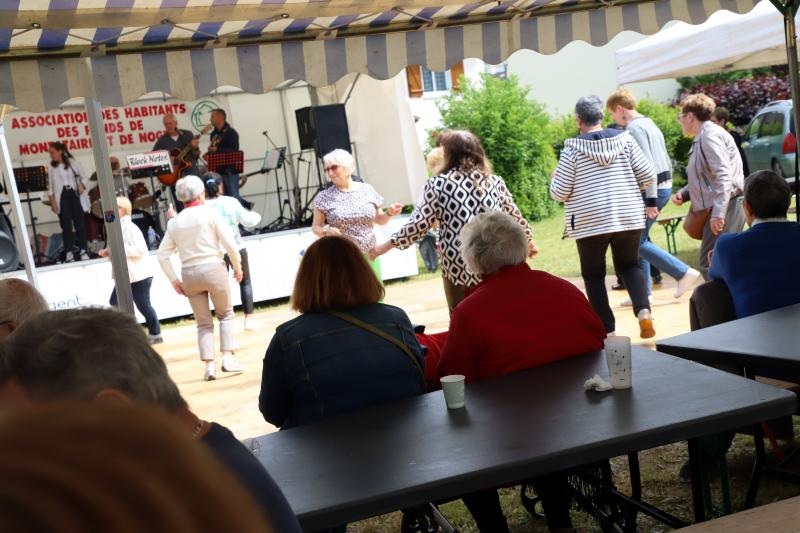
618,358
453,388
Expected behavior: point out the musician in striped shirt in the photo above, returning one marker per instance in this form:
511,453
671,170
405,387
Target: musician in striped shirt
599,178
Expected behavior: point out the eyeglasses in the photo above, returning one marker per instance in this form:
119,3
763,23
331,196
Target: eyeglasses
682,115
331,168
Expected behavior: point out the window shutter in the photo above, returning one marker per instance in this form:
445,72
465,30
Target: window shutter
456,71
414,79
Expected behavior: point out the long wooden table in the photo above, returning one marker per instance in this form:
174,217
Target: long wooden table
513,428
767,342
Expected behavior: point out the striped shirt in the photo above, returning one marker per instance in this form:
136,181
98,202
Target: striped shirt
453,199
600,182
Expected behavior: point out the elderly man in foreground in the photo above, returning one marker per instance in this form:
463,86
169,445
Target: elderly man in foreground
102,355
19,302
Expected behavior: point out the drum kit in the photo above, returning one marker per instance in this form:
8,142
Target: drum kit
140,195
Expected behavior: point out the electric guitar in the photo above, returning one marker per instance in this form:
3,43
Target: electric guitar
179,162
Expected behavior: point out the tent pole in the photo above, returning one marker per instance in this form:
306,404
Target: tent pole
107,197
790,31
20,227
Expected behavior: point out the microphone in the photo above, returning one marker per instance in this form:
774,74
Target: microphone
264,133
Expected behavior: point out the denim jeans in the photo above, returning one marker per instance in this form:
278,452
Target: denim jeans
650,253
230,180
141,297
246,286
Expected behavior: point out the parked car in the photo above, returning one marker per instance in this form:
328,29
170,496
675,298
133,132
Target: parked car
769,142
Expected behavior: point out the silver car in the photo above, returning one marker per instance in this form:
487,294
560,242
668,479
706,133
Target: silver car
769,142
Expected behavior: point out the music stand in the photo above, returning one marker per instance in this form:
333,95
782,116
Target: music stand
32,179
227,160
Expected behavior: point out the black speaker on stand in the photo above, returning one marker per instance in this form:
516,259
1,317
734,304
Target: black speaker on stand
322,129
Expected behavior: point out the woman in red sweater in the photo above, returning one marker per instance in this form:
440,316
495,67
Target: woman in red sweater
515,318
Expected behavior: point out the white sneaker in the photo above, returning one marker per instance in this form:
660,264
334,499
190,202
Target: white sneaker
249,323
646,329
84,255
611,334
70,257
211,371
229,364
627,302
687,282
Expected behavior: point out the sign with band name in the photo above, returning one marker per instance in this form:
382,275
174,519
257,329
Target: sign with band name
147,163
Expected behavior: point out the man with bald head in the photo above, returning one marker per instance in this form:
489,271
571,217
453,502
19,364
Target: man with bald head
175,138
19,302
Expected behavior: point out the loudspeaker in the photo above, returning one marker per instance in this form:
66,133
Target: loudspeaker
323,128
9,257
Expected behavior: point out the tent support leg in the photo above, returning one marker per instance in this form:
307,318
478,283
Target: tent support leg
107,197
20,227
790,31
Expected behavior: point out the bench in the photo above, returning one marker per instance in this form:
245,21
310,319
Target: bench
671,225
776,517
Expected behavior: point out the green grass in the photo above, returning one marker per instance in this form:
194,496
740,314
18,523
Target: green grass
559,256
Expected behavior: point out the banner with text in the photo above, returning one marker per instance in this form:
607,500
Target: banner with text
130,129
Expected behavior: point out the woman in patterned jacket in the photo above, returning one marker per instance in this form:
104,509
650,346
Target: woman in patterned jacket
464,190
349,207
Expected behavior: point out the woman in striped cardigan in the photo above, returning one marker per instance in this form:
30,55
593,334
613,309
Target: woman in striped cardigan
600,176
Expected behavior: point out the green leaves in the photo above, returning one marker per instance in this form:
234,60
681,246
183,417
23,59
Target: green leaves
515,133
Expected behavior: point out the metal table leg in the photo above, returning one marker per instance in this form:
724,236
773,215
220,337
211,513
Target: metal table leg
699,482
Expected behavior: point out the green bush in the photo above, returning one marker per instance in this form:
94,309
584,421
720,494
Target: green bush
515,134
561,129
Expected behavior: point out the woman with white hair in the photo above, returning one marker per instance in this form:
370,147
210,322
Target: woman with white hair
199,235
140,272
600,178
348,207
515,318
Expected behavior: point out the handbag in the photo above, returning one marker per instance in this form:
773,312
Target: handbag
372,329
695,221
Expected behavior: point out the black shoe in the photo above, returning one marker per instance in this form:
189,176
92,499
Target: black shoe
657,280
618,287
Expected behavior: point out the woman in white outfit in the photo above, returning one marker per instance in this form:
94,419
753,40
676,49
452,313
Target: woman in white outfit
199,235
140,271
232,212
67,188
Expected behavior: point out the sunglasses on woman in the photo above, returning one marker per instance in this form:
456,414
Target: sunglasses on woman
332,168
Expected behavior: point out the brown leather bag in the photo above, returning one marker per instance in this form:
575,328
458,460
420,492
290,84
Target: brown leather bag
695,221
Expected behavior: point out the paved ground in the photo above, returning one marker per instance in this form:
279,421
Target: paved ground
232,400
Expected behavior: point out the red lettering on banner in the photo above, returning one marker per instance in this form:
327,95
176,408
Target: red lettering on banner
34,148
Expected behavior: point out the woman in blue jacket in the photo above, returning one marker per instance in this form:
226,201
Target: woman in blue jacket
346,350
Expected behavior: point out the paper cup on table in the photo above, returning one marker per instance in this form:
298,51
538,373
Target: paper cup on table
453,388
618,357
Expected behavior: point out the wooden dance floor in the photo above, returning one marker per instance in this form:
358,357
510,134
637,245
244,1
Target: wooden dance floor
232,399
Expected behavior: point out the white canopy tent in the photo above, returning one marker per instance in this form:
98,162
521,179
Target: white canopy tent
725,42
113,51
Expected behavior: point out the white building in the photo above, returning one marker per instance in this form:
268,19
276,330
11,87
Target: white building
556,80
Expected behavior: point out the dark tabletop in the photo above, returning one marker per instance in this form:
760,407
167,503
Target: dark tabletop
768,340
514,427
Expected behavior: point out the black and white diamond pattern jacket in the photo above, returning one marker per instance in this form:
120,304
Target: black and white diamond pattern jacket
453,199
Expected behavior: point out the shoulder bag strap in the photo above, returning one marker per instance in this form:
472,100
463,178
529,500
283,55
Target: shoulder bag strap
380,333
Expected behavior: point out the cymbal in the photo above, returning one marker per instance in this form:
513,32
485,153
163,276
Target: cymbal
116,174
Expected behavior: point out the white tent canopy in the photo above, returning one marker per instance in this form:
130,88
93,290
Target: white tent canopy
725,42
117,50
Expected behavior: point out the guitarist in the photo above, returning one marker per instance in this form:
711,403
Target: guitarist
225,139
177,139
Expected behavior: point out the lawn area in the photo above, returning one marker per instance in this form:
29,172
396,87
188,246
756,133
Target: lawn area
559,256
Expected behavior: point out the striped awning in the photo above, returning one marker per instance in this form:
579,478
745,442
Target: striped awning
118,50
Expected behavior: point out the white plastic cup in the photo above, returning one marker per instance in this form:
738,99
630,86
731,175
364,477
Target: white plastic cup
453,388
618,358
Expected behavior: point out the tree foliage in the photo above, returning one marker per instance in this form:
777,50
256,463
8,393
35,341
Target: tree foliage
515,134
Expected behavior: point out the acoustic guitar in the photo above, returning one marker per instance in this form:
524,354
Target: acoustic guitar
179,162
